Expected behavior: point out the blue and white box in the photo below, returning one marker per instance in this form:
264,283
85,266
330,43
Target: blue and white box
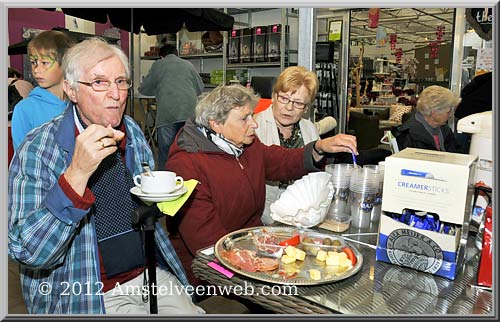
430,181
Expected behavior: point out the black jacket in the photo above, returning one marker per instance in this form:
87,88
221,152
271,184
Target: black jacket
476,96
412,134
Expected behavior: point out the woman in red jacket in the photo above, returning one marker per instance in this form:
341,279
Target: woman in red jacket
219,148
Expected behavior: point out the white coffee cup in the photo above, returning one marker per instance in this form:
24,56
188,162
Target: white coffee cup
161,182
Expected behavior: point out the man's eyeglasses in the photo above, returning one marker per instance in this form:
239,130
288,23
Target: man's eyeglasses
296,104
100,85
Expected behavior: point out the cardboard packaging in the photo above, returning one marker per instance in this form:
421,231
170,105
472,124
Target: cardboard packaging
233,50
274,40
428,181
259,44
246,45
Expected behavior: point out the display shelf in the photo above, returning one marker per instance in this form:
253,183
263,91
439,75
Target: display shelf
249,65
202,56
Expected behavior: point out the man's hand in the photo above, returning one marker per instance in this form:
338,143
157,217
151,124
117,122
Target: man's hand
92,145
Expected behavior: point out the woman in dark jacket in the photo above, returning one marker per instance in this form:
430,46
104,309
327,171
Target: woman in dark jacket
428,127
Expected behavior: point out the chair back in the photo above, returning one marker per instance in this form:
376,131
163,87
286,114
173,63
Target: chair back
366,129
263,85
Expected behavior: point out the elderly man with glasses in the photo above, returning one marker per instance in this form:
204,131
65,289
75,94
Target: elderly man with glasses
70,204
428,127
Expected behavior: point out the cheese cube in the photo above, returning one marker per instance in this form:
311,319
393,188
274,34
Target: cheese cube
290,251
315,274
321,256
332,253
333,259
287,259
300,254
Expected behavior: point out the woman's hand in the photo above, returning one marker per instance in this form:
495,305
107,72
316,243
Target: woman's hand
337,143
92,145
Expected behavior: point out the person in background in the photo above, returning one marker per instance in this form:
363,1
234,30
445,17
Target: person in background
16,78
283,124
477,97
219,148
428,127
176,85
70,202
47,100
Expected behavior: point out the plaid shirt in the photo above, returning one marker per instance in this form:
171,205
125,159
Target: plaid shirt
54,242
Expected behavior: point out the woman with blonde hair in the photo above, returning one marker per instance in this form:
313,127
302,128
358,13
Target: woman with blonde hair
283,124
428,127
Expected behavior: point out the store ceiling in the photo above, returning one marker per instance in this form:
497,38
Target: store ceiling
413,25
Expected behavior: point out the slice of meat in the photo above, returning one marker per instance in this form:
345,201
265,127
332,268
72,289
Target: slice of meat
241,258
267,264
247,260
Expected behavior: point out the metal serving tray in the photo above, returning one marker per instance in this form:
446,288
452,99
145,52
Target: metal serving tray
243,239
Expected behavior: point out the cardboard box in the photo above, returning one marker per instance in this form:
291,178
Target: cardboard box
259,44
429,181
246,45
233,49
274,41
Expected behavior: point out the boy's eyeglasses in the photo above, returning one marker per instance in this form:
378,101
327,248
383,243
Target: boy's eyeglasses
100,85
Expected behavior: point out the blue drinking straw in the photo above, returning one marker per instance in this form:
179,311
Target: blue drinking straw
354,159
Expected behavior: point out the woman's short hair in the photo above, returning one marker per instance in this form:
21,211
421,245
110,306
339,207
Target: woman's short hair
292,78
53,42
217,104
436,98
87,54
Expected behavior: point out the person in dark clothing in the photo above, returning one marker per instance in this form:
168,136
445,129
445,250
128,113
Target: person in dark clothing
476,98
428,128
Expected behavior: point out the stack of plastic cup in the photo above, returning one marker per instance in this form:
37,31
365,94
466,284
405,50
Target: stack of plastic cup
377,205
363,188
341,176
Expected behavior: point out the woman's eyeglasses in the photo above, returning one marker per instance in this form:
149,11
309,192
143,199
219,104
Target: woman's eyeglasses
296,104
100,85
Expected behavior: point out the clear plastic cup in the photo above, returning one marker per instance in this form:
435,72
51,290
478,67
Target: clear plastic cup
341,176
364,180
363,189
377,205
361,208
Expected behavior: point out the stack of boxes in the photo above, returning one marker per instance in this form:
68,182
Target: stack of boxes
217,76
274,40
259,44
256,45
426,182
233,50
246,45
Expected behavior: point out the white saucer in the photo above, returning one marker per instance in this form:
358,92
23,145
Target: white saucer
158,198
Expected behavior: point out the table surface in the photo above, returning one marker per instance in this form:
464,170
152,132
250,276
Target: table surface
377,289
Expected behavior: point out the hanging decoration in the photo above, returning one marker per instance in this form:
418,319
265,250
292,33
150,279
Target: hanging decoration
398,53
393,40
440,33
434,45
381,37
373,15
